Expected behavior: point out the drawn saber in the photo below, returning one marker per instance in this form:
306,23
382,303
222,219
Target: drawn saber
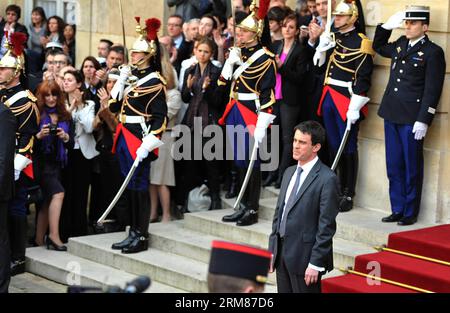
120,192
342,146
247,175
123,24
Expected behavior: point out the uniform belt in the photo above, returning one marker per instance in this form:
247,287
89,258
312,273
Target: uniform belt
124,119
244,96
339,83
132,119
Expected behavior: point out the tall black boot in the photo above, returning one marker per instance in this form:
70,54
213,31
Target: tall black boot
234,185
216,202
271,178
138,244
253,192
18,240
234,217
126,242
351,166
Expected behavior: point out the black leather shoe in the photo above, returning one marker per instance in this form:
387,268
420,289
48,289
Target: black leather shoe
404,221
53,246
394,217
235,216
139,243
250,217
125,242
346,204
17,267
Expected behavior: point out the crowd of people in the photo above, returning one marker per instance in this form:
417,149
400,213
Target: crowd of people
85,128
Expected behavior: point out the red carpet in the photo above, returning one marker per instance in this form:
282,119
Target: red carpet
433,242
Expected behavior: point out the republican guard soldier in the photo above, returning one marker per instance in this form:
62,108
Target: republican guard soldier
22,104
346,56
249,74
142,120
408,107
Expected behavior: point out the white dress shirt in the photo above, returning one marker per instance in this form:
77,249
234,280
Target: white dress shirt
306,169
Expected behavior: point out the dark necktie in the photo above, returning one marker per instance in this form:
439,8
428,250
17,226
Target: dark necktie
409,47
289,203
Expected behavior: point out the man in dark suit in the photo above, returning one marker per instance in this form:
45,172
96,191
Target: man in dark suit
8,127
304,222
408,106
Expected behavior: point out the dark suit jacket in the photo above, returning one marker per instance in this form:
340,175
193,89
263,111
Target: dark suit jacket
184,52
310,224
293,72
8,126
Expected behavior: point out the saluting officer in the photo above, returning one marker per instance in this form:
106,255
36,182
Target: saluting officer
249,73
408,106
348,72
142,120
22,104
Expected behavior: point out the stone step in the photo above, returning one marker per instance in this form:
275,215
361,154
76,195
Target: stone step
266,206
358,225
166,267
68,269
210,223
365,226
175,238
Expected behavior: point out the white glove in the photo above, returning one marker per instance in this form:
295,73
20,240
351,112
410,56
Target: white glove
326,43
356,103
149,143
264,120
395,21
419,130
119,86
141,153
234,58
16,174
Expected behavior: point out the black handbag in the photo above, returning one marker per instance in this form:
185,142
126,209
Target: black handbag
34,194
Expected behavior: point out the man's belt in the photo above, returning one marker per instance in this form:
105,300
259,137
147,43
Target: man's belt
339,83
125,119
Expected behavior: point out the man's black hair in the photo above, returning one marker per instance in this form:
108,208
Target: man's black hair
314,129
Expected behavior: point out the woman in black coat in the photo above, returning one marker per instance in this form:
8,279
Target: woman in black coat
200,92
292,59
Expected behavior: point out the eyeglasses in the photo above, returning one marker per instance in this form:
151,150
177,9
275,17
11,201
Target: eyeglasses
57,62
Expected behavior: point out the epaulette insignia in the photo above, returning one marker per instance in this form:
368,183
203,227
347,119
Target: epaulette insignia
366,46
268,52
31,96
161,78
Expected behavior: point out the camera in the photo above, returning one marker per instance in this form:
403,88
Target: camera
53,129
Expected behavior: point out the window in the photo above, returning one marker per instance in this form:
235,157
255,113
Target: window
67,9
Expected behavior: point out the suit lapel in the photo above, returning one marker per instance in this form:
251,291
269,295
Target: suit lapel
289,172
290,52
309,179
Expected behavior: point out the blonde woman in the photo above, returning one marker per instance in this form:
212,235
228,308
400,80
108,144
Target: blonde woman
162,173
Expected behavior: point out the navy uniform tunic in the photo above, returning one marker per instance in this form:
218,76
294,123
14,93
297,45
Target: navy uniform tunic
27,116
412,95
148,101
351,62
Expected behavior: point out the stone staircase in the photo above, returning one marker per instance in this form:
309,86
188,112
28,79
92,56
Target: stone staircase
177,260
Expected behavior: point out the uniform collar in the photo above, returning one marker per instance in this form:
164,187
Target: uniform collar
413,43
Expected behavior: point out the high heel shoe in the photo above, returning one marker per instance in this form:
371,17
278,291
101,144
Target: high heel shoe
53,245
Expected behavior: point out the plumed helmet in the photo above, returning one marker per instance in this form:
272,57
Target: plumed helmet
347,7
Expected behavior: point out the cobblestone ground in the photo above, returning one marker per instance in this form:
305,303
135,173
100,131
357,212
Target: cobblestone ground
29,283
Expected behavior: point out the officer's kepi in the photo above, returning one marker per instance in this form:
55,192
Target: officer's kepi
417,13
239,261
